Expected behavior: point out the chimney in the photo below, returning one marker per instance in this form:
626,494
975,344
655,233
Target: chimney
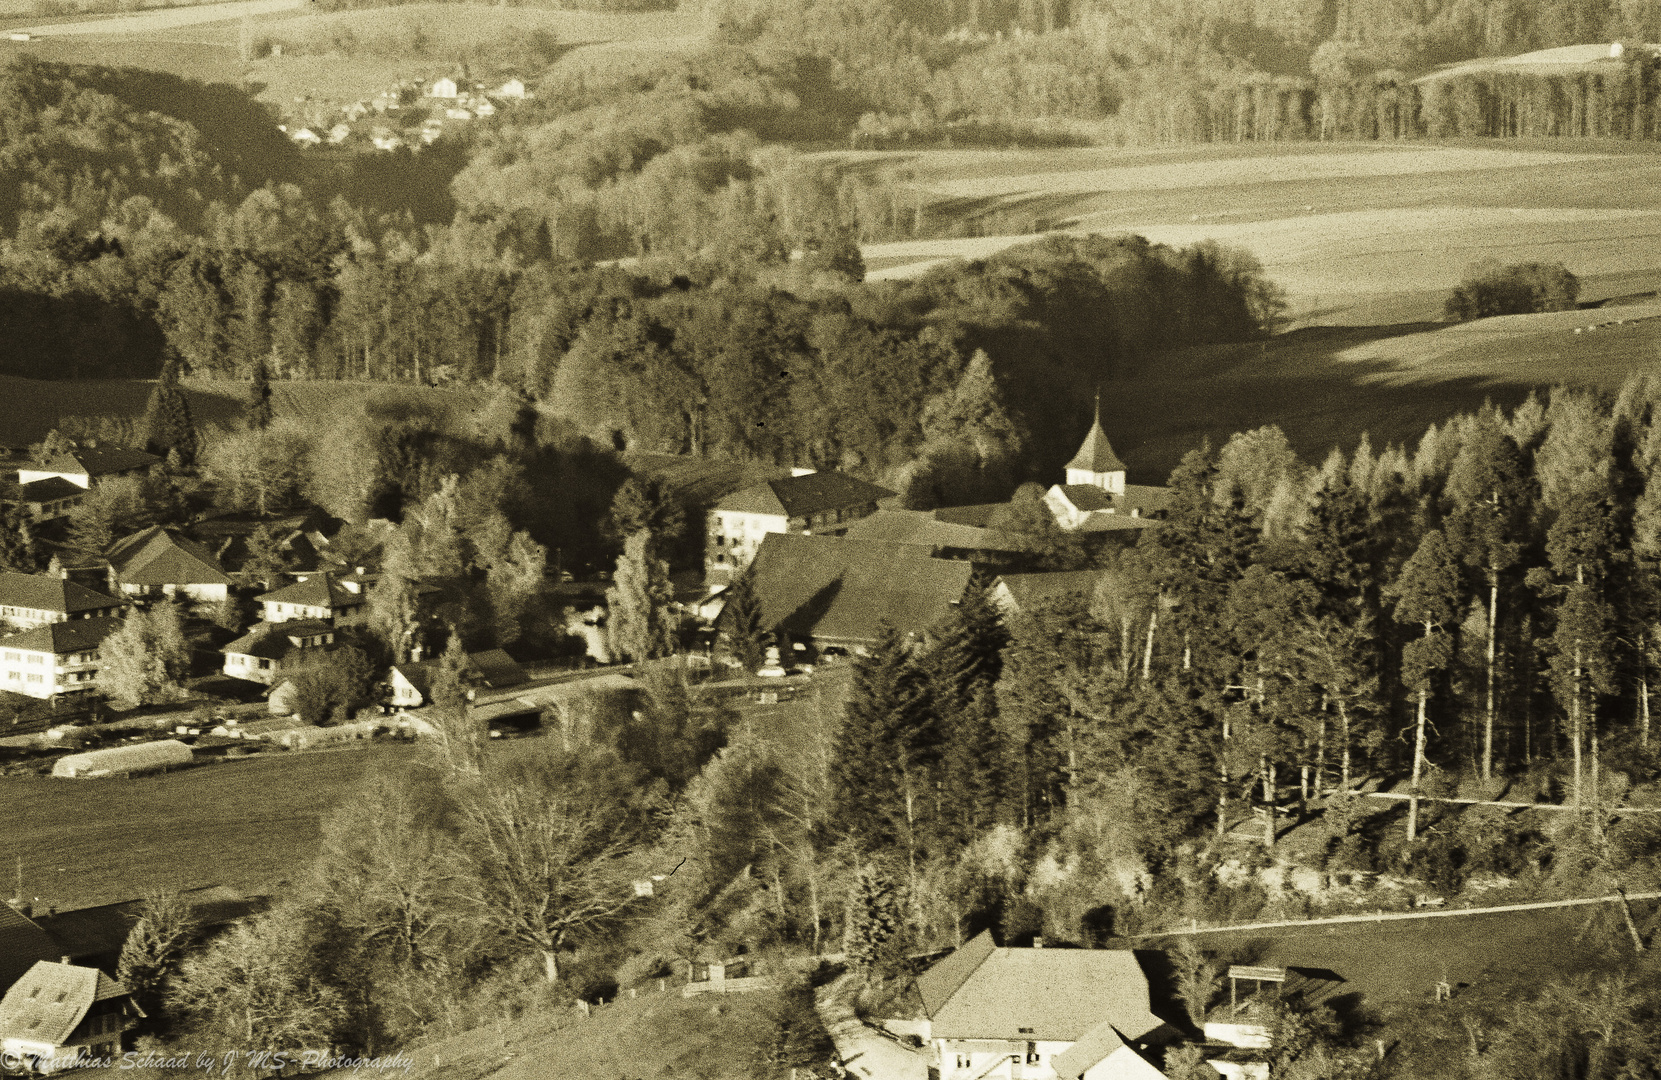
65,960
1038,942
415,654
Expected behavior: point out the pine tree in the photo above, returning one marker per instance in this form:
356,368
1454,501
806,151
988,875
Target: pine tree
878,757
1426,594
960,672
744,637
459,736
874,924
259,398
168,428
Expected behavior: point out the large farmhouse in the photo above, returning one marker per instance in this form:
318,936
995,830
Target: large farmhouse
59,1013
1040,1014
164,562
809,503
30,600
54,659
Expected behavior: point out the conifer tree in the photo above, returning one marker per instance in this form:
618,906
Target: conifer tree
874,924
744,637
259,398
17,542
167,426
637,604
880,750
960,671
1426,594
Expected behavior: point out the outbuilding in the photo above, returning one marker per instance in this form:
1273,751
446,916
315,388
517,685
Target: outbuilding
125,760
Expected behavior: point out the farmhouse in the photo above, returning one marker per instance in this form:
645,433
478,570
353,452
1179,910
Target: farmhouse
944,539
57,658
809,502
837,594
322,596
270,649
1018,593
85,465
1095,497
493,669
45,500
124,760
30,600
164,562
1040,1013
58,1013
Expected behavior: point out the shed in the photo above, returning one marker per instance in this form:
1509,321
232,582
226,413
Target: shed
123,760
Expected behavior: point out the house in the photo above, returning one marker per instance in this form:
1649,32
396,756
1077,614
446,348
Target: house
58,658
85,464
837,594
1040,1013
302,536
45,500
809,502
483,107
22,942
442,88
59,1013
322,596
493,669
386,139
96,935
944,539
270,649
339,134
160,561
306,137
513,89
1096,498
30,600
127,760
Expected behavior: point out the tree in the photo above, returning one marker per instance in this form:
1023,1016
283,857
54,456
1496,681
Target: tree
259,397
111,508
150,957
879,760
543,863
1426,594
873,935
638,625
168,428
17,542
332,686
517,581
743,636
146,660
458,737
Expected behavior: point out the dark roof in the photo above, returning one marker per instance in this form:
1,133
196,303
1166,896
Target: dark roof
1028,589
1055,995
837,589
60,638
1096,455
274,641
95,461
922,528
98,933
49,490
979,515
800,496
496,668
51,999
1087,497
48,592
22,942
163,556
315,590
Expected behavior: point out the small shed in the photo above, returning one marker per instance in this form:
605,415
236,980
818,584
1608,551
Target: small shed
125,760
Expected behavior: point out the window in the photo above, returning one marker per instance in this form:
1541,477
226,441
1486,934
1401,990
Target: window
37,659
13,657
14,675
37,678
265,665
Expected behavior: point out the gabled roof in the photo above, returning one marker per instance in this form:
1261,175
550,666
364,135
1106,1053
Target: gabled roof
62,638
49,490
21,944
1086,497
1096,455
47,1003
1037,994
800,496
314,590
1028,589
1096,1044
48,592
94,461
274,641
837,589
492,668
163,556
923,528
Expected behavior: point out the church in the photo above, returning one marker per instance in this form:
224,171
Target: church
1095,497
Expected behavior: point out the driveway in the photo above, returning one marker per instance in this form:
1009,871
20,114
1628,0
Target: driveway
866,1053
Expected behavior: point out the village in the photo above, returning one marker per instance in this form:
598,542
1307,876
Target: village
411,114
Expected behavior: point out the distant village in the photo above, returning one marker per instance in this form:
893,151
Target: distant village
411,114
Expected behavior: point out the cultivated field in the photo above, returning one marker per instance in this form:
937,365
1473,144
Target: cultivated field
1358,235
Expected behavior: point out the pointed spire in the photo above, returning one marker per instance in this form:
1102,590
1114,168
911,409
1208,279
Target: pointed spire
1096,455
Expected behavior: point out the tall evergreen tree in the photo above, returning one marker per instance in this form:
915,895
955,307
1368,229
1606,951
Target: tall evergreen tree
259,397
168,428
637,622
960,672
744,638
880,763
1426,594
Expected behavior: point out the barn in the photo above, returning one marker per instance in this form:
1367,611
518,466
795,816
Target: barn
124,760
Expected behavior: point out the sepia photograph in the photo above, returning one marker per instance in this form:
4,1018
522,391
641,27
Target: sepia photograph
830,539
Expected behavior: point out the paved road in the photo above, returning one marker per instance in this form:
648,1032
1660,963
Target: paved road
165,19
863,1051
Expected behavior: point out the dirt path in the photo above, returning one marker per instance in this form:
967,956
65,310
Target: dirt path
864,1052
166,19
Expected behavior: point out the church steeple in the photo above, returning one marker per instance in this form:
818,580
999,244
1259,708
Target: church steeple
1095,464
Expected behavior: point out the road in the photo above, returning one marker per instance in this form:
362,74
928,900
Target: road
864,1052
164,19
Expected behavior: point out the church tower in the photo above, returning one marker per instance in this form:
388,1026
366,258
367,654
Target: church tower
1095,464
